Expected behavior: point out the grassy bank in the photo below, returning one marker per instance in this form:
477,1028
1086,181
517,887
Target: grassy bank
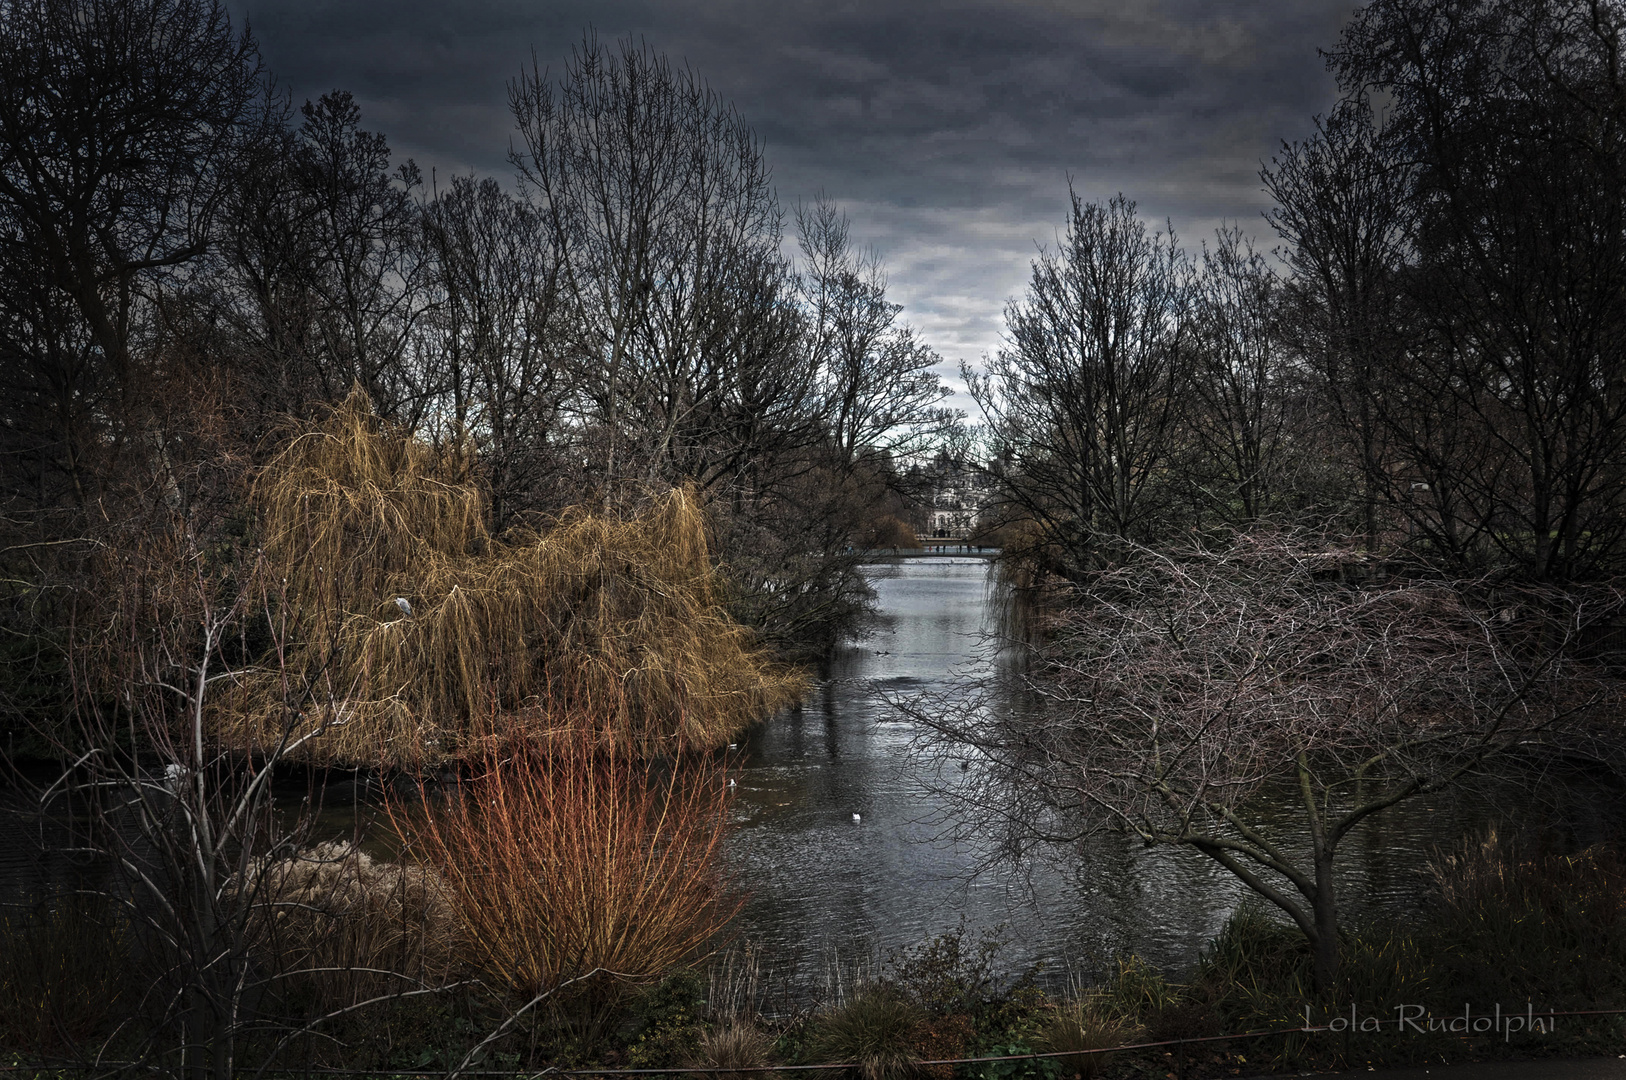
1510,926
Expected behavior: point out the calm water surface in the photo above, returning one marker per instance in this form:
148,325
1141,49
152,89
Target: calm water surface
822,884
823,887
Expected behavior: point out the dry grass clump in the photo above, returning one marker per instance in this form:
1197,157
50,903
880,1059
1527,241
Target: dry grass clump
571,855
339,927
1083,1026
506,637
733,1047
878,1031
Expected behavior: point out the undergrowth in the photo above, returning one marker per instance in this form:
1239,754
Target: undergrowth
64,973
1510,924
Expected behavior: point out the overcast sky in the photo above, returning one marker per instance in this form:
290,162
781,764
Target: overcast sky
946,130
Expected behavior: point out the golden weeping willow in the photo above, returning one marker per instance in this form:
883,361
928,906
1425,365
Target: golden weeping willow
415,636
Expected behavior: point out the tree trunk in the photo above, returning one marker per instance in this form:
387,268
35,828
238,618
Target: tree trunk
1325,970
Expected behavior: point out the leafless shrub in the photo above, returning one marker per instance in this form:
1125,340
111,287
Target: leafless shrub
64,973
568,857
1178,693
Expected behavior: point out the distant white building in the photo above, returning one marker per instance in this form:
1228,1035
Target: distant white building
956,505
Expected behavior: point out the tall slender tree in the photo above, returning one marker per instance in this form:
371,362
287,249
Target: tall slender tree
1342,205
1084,404
658,198
1249,405
490,338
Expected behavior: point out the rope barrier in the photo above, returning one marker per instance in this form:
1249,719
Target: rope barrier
830,1066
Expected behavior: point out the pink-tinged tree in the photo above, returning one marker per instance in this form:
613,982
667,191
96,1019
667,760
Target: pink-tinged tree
1177,697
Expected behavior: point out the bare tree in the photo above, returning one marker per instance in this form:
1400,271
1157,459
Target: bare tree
694,351
123,125
322,278
1343,205
262,294
1181,696
1464,267
366,275
1083,407
1244,380
880,394
491,338
657,195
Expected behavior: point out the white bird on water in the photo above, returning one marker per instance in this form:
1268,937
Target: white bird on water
857,818
406,607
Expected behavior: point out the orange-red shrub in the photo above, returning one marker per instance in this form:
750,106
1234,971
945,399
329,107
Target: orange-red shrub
572,855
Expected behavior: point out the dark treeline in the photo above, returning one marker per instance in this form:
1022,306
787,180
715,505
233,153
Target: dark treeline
1432,360
1343,519
1429,360
1348,522
192,266
313,461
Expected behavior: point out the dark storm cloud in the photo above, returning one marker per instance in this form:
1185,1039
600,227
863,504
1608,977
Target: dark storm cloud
947,130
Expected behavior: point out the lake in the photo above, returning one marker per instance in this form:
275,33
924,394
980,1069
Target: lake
823,886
